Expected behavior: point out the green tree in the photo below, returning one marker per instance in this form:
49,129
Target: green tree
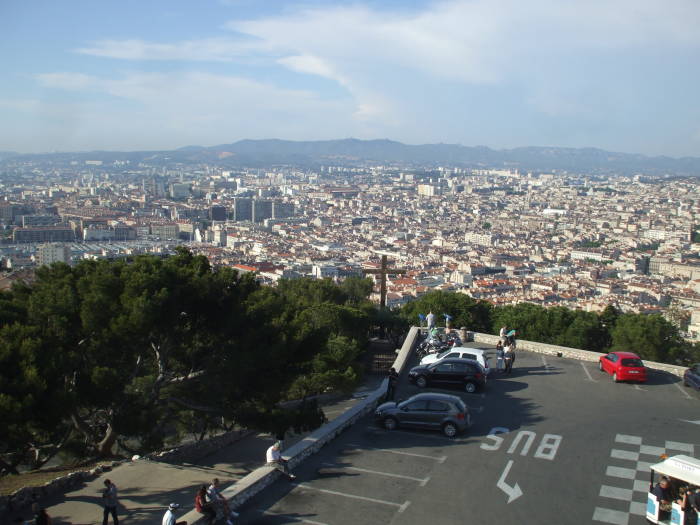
649,336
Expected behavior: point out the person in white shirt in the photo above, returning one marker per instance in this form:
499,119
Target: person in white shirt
169,516
220,502
274,459
431,320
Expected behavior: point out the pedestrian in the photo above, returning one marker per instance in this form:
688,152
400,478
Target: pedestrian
274,459
203,506
499,356
220,503
431,320
502,333
109,499
391,384
40,515
508,357
169,516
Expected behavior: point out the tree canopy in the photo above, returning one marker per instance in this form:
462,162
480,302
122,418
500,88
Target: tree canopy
136,352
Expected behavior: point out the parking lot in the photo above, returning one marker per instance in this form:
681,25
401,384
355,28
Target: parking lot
555,442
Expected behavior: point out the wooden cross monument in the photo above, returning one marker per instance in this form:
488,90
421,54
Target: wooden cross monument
383,272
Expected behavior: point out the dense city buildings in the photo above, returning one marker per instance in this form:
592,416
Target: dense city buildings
501,235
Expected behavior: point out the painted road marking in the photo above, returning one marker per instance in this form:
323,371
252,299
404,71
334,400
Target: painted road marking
544,363
638,508
652,451
401,506
683,447
610,516
630,440
624,454
513,492
422,481
620,472
632,488
292,518
439,459
692,422
687,396
588,374
408,432
606,491
637,387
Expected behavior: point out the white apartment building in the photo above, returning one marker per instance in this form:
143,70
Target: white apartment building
51,253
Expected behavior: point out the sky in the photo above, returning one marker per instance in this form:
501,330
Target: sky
622,75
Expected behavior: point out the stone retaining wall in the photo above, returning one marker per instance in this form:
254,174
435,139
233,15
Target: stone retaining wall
24,497
192,452
571,353
250,485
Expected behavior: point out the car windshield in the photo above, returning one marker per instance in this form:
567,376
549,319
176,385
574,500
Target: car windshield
442,354
632,361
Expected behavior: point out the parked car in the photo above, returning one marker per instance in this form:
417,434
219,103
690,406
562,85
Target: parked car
475,354
429,410
464,373
623,366
691,377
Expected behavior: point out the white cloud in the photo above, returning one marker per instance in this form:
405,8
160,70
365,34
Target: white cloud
209,49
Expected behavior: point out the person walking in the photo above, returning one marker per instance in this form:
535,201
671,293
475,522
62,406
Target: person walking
502,333
110,502
391,384
499,357
169,516
274,459
431,320
508,357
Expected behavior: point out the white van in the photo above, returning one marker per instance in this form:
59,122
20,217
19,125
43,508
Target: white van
474,354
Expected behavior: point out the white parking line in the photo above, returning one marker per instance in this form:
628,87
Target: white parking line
607,491
408,432
619,472
588,374
610,516
401,506
544,363
682,391
439,459
422,481
637,387
624,454
630,440
292,518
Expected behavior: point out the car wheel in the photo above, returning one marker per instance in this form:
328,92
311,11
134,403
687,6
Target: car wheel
421,382
390,423
614,377
470,387
449,429
600,366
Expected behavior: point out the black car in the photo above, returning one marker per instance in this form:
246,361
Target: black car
429,410
449,372
691,377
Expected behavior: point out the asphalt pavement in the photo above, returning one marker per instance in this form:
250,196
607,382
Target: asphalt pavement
555,442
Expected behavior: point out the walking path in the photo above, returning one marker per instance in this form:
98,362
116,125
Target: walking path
147,487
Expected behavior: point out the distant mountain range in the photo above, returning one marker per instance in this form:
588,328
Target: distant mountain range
258,153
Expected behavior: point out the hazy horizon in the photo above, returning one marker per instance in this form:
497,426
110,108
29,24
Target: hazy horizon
127,76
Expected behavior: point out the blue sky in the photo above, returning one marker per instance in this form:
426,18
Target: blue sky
622,75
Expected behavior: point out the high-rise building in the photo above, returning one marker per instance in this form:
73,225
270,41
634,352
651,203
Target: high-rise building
51,253
262,209
282,210
218,213
242,209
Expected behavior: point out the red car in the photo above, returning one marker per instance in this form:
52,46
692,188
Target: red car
623,366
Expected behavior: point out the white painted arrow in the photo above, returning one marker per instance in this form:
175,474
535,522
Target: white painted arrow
693,422
513,492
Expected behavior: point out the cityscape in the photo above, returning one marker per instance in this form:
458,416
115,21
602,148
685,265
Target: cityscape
502,235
